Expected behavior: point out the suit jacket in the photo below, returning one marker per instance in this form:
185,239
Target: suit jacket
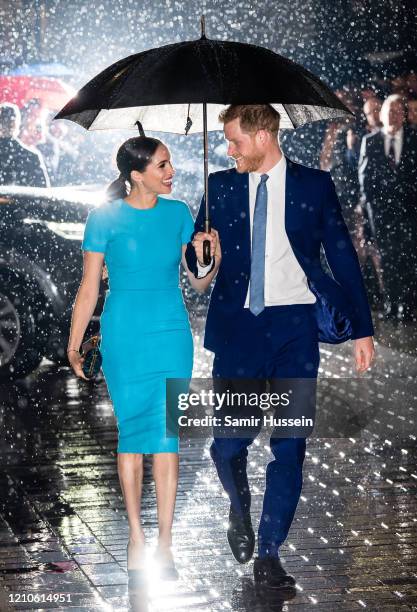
20,165
389,196
344,172
312,218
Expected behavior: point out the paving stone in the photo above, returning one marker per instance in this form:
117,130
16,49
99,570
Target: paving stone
63,527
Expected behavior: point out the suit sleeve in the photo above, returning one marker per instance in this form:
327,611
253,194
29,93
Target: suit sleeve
365,180
365,172
43,172
39,174
190,255
343,261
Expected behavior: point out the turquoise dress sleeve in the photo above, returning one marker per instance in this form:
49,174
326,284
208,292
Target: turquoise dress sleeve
95,232
187,226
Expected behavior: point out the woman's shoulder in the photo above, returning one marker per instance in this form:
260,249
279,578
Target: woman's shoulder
176,204
172,201
106,209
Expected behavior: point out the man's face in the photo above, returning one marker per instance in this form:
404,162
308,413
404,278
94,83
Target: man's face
243,147
392,115
371,109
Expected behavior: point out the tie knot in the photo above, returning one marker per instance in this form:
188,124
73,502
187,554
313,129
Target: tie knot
264,178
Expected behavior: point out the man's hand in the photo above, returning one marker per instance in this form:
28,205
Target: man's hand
214,244
364,353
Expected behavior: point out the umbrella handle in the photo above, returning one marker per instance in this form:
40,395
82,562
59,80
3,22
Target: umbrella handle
206,252
206,244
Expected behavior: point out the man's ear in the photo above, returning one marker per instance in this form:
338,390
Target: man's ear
262,136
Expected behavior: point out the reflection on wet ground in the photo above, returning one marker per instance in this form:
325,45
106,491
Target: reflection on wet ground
63,529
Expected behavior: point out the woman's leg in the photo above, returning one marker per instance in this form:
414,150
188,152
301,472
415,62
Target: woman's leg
165,473
130,470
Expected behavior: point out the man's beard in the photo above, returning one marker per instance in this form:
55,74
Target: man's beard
249,164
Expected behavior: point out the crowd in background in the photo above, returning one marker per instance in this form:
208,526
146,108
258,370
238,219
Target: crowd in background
372,158
373,161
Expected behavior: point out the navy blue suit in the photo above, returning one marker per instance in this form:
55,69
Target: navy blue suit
281,342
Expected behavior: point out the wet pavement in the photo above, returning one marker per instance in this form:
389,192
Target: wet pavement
63,528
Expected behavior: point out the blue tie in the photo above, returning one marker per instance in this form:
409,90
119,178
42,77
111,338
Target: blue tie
257,269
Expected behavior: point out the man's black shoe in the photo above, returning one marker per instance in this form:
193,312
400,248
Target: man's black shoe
269,572
240,536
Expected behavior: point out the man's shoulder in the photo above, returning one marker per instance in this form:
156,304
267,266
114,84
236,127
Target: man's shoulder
25,150
231,176
410,135
226,176
306,172
373,137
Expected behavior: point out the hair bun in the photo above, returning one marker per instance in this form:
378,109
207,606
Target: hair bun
140,128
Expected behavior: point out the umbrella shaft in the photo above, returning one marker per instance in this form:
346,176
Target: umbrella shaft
205,143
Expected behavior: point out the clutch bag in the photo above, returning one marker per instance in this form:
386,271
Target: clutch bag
92,357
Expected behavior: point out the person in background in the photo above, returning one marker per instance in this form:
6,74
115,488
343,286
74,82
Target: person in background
31,123
412,113
59,154
365,247
19,165
371,110
388,179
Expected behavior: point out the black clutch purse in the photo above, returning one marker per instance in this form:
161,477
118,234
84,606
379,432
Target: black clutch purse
92,357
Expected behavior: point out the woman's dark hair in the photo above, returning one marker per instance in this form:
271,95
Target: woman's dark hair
134,154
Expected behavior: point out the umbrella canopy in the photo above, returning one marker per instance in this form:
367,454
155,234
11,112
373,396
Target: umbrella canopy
182,87
162,87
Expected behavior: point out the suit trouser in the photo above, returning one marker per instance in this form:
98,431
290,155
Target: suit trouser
281,342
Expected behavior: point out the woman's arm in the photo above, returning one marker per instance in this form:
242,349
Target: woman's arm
84,307
202,284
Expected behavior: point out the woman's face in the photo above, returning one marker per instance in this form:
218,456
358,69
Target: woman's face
157,177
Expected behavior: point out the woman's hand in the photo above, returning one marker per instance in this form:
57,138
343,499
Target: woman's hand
76,362
198,242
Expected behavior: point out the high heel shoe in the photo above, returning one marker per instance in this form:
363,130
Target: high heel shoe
167,569
136,577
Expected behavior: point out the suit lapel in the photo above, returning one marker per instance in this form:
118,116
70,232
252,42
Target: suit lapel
242,214
292,220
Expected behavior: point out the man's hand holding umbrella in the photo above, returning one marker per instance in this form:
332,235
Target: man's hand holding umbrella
215,248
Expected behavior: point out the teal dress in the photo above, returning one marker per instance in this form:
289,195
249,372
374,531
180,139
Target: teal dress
146,336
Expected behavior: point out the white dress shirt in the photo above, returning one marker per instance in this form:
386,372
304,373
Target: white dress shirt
285,281
398,143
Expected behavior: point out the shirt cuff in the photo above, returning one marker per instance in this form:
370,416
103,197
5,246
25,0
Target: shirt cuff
202,271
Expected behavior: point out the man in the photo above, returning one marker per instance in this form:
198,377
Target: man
387,176
342,157
344,170
412,113
371,110
272,216
19,165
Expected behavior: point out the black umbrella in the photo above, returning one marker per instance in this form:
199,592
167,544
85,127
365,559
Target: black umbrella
167,89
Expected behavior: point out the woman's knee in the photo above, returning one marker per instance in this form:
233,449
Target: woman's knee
130,461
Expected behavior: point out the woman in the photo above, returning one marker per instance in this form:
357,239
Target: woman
146,335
